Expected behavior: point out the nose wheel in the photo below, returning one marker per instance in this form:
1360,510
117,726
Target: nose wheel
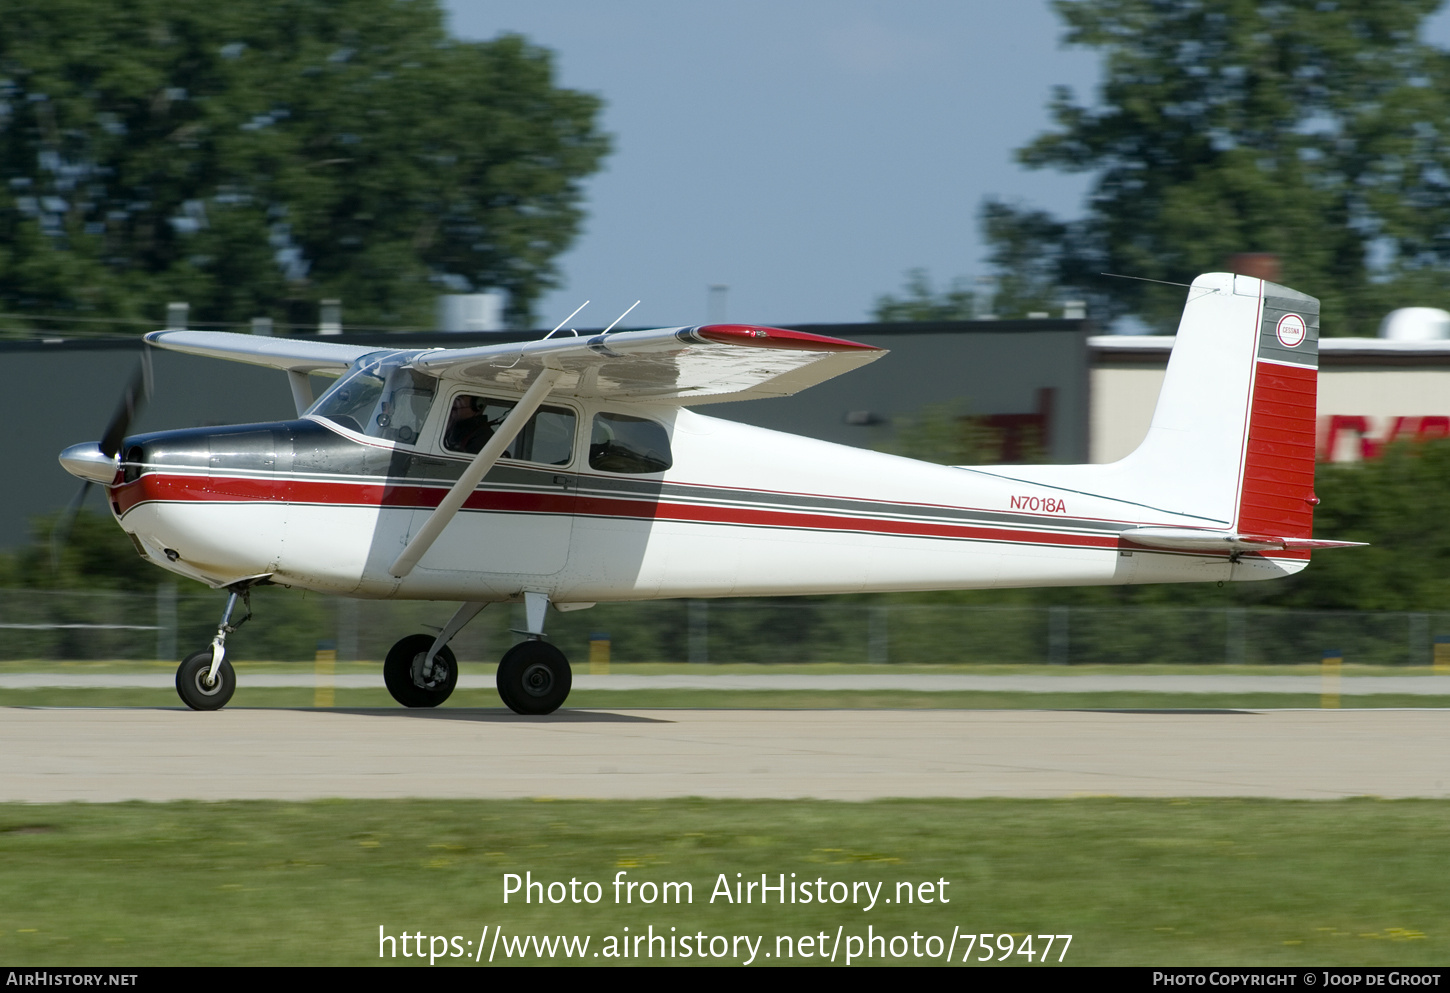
198,688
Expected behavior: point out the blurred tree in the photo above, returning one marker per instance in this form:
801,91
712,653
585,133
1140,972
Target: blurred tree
96,555
1318,130
944,433
1398,503
1026,249
919,301
256,158
949,434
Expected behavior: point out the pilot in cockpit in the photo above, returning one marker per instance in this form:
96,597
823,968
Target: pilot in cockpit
468,429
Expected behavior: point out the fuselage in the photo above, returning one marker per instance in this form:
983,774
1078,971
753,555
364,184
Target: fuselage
740,511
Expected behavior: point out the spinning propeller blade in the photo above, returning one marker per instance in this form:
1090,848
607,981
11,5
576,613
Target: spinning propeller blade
133,401
138,391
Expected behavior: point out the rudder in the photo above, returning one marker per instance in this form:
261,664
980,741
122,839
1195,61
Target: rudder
1276,496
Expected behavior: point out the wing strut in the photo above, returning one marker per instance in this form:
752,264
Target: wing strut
473,475
301,390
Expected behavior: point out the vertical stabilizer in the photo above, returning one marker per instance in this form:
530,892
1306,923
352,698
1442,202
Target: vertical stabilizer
1232,437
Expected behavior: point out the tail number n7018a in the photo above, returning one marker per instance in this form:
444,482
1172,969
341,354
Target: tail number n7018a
1045,505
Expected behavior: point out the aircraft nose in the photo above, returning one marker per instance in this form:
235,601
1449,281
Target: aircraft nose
87,461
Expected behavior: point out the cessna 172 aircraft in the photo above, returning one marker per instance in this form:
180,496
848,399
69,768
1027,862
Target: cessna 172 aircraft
567,471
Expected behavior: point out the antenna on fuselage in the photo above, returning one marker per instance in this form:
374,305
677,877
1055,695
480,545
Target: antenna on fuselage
565,321
620,318
1145,279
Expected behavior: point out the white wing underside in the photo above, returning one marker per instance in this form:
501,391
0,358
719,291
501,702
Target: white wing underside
680,366
288,354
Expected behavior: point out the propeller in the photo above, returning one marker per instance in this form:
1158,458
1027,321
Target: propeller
97,461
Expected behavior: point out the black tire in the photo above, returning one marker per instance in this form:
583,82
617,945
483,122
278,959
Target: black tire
402,671
191,682
534,678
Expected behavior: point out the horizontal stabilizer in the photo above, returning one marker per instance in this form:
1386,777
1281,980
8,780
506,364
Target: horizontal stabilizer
1196,540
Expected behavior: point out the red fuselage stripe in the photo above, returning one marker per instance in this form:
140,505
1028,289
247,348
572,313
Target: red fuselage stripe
177,488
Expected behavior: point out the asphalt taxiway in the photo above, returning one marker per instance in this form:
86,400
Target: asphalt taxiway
102,755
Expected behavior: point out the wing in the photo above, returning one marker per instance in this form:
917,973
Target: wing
709,364
683,366
290,354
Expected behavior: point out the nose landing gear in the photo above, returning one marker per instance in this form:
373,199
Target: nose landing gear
205,680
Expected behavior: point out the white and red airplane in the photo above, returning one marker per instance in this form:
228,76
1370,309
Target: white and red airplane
568,471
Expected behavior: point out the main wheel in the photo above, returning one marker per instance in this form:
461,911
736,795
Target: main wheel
192,687
534,678
403,672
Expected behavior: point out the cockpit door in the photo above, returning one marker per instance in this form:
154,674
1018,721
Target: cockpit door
518,523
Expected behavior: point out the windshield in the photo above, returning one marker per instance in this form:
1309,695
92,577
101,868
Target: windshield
381,398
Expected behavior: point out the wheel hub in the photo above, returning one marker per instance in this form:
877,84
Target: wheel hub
538,680
440,672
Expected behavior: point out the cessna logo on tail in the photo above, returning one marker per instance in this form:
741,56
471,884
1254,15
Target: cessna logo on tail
1291,330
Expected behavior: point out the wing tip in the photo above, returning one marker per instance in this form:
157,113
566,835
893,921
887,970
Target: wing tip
761,336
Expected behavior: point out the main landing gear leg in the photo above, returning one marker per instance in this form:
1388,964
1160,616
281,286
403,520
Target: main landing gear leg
534,676
205,680
421,671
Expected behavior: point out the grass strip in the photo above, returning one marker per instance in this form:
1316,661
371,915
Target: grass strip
1136,882
581,667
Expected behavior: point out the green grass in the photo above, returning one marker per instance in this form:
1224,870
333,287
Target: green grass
581,667
1136,882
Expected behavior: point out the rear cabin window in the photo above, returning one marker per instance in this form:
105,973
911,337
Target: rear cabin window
621,443
547,438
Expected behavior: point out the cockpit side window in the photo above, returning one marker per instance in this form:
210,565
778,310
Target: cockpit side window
621,443
382,399
548,437
407,398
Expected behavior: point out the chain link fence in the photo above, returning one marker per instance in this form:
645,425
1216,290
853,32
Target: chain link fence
292,626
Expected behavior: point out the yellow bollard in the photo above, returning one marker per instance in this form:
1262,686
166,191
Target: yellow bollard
1442,655
599,653
1329,689
322,667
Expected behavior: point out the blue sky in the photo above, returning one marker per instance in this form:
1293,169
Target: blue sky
805,153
